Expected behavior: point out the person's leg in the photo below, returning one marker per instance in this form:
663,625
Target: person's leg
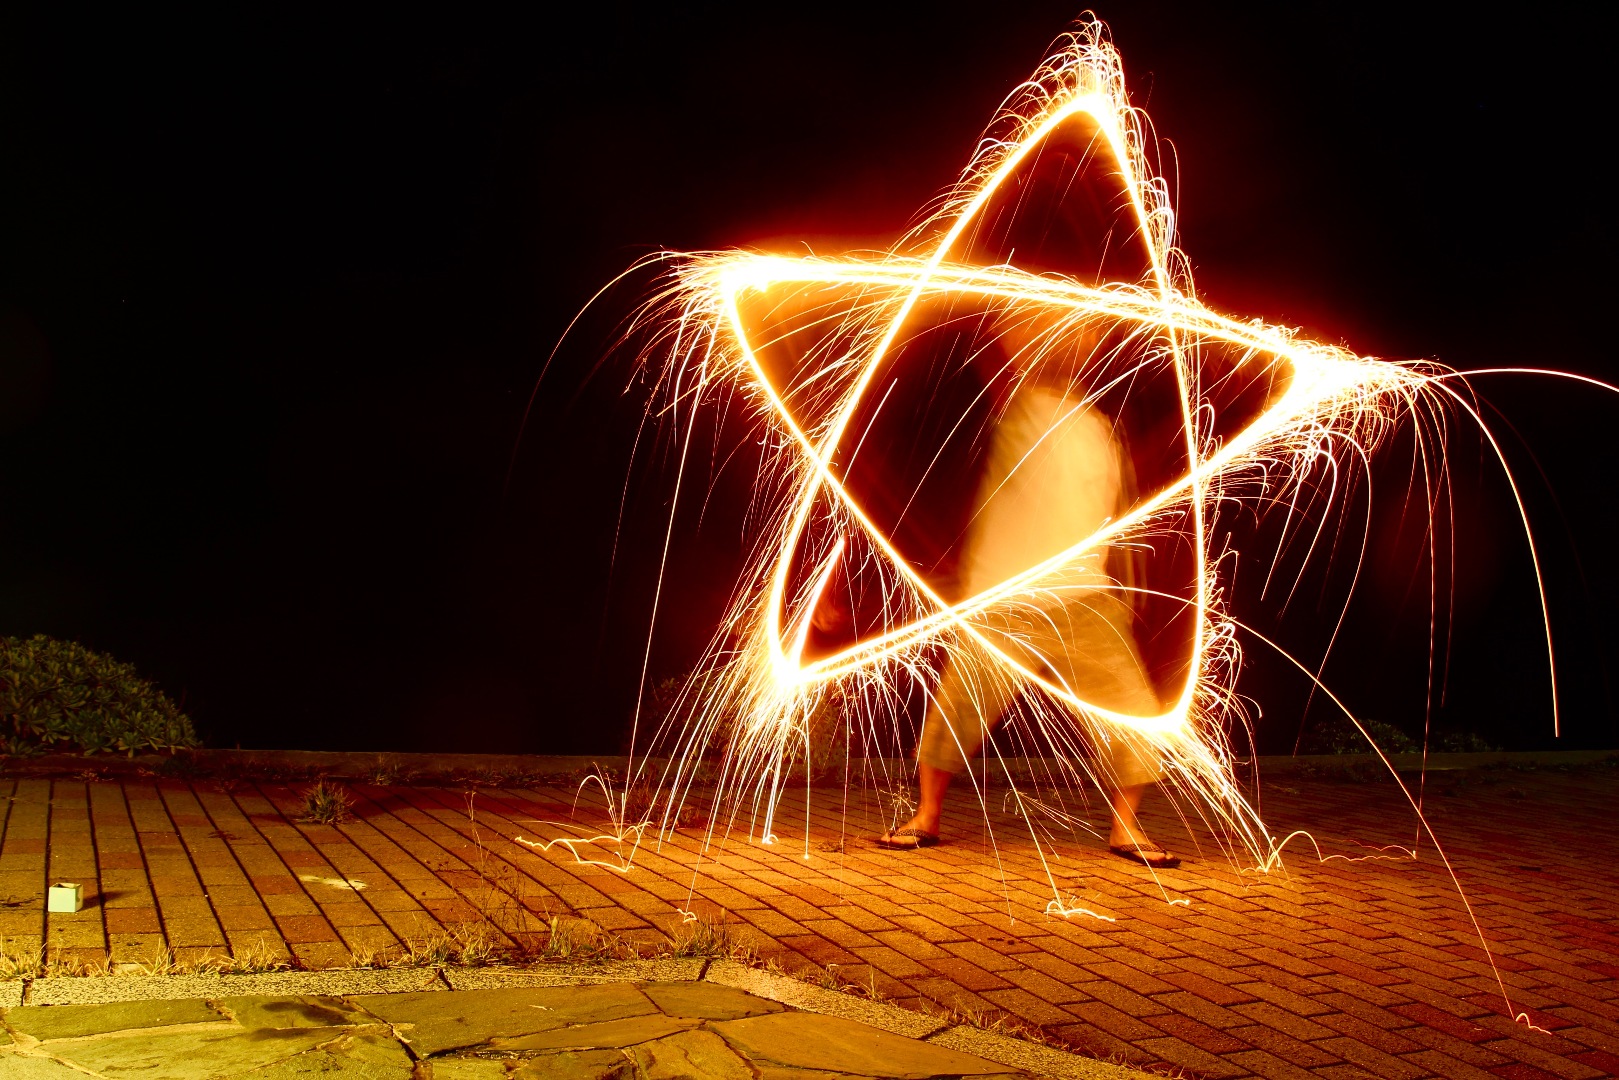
1133,772
1093,638
934,782
1127,828
970,697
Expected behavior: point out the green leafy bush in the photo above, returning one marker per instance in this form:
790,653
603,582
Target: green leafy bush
58,695
1464,742
1338,736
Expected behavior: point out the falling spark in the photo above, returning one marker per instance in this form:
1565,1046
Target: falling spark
814,343
1010,282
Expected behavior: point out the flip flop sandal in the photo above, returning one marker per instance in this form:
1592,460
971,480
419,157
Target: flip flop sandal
1133,853
906,839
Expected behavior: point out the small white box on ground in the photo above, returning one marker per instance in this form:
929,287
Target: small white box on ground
66,896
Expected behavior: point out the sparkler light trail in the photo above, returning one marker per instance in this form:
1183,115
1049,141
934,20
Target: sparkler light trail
1049,275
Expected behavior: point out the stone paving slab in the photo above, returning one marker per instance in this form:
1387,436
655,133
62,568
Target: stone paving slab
588,1031
1365,964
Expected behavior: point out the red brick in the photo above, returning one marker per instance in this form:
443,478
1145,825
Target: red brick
1199,1035
1443,1021
133,921
1518,1071
305,928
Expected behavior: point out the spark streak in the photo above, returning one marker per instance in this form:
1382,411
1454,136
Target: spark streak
873,379
812,343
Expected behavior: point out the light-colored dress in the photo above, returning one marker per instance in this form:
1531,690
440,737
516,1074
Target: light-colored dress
1055,475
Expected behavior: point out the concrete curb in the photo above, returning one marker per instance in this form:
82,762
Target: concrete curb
1032,1057
1029,1057
110,989
611,971
826,1002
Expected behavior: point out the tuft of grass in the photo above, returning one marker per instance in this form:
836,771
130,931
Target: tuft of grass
253,960
326,803
364,956
386,773
18,961
61,965
434,950
502,906
827,978
473,945
580,939
163,962
711,938
34,963
1001,1022
869,989
466,945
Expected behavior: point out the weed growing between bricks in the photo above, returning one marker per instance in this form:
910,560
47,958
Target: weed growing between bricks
567,940
326,803
34,962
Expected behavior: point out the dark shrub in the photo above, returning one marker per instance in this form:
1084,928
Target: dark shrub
1337,735
58,695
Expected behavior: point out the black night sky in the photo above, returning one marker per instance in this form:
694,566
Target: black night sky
275,290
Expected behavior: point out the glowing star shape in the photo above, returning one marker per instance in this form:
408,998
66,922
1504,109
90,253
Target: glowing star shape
1053,260
1051,263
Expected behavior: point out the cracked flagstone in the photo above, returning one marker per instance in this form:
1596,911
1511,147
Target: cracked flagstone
45,1022
188,1055
612,1034
584,1065
691,1054
292,1012
359,1057
434,1022
590,1031
707,1000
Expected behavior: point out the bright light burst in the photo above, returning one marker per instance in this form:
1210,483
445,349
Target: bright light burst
874,378
815,342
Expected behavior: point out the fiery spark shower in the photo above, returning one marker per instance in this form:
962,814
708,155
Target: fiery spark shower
1048,273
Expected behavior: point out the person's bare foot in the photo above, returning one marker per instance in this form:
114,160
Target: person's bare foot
923,828
918,832
1137,846
1127,839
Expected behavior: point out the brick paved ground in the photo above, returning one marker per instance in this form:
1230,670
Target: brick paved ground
1335,968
